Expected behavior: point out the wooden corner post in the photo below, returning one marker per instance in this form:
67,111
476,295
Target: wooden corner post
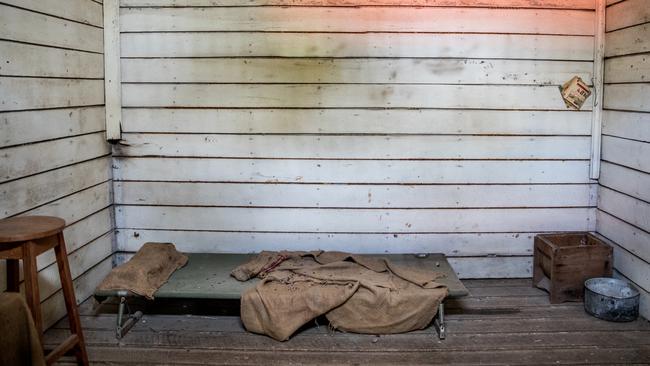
599,69
112,77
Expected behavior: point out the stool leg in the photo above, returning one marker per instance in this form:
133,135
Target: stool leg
70,300
32,294
13,275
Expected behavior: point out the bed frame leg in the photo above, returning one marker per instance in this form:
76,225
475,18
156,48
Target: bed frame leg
124,326
439,322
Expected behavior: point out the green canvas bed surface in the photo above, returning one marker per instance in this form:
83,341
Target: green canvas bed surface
207,276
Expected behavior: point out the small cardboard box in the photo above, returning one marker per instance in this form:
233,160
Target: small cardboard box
575,92
563,262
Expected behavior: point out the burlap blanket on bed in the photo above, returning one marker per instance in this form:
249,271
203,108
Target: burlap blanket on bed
149,269
356,293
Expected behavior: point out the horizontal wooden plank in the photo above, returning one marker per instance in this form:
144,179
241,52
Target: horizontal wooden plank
317,195
630,97
82,11
627,13
629,125
79,205
357,147
35,93
626,208
628,69
80,261
632,239
574,327
76,235
353,70
544,4
356,19
632,267
632,154
19,25
348,96
24,194
351,171
19,59
484,316
644,303
356,121
355,220
33,126
80,233
472,244
316,338
628,40
76,209
628,181
356,45
53,308
30,159
142,356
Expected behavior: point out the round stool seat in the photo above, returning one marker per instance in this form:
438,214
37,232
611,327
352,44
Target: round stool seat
16,229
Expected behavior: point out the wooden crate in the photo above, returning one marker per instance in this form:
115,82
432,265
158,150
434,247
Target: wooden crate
562,263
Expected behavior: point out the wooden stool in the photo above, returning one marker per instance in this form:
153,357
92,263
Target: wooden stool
25,238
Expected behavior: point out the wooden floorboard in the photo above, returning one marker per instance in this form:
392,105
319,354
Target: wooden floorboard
502,322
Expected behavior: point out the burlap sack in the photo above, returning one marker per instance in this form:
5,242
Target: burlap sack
356,293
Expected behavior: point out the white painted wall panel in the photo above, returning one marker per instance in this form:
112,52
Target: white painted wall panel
25,160
627,13
237,44
19,59
626,41
38,93
23,194
357,19
636,240
354,196
54,159
624,192
630,125
356,147
351,171
27,26
537,4
627,208
356,121
32,126
628,97
352,70
629,181
368,128
628,69
630,153
356,220
83,11
452,244
347,96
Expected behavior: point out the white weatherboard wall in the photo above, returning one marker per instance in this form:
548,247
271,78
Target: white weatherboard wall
53,155
382,127
624,192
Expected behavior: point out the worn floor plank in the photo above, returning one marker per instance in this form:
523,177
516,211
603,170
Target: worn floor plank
502,322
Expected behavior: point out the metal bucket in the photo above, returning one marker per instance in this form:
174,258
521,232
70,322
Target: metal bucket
611,299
